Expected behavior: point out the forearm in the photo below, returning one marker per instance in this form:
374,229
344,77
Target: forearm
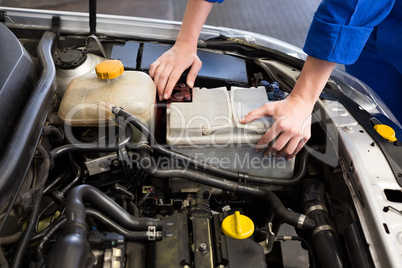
312,80
194,18
291,129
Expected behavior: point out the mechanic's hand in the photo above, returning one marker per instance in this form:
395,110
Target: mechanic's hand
168,68
291,129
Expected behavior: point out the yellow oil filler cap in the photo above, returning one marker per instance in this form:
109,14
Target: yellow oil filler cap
109,69
386,132
238,226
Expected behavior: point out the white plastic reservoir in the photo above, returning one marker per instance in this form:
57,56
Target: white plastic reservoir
208,129
85,97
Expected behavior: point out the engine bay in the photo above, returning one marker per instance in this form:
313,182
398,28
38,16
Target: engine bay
120,179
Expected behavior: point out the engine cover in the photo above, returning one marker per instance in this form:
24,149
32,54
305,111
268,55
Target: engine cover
16,82
195,239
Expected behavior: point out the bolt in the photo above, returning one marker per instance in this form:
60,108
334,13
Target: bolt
115,163
348,129
202,248
103,166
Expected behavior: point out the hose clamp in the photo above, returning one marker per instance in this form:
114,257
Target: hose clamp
322,228
243,177
300,221
144,145
316,207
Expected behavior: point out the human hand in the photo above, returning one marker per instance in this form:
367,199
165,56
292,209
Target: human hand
168,68
291,129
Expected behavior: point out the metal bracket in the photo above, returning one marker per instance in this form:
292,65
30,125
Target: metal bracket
92,43
56,24
268,244
389,208
4,15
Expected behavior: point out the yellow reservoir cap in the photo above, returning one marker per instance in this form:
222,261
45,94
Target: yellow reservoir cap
386,132
109,69
238,226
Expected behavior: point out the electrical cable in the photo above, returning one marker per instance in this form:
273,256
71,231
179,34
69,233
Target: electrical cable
295,219
233,175
36,201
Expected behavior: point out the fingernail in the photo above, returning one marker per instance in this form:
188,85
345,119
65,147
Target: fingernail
160,98
190,84
165,96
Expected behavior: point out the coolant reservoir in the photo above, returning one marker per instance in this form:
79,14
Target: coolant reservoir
65,75
86,96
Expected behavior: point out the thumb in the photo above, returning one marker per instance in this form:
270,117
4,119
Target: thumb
192,74
265,110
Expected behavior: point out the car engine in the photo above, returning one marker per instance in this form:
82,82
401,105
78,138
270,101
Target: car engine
119,179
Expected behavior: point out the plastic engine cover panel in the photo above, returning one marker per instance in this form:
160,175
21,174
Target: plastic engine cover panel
16,82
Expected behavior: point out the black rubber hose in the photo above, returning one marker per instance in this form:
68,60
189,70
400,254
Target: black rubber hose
234,175
123,191
60,195
36,201
54,132
38,236
75,232
136,123
133,207
76,179
54,182
82,148
73,249
75,209
295,219
88,147
324,237
5,241
46,236
18,155
139,236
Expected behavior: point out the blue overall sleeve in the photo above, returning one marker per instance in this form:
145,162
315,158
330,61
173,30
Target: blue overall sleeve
219,1
340,29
